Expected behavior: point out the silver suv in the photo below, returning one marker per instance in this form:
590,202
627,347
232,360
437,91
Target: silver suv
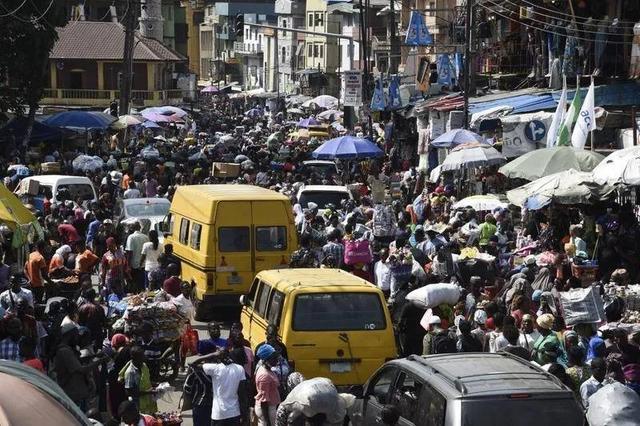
473,389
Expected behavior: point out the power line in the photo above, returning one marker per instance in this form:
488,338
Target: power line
631,23
560,16
546,30
13,11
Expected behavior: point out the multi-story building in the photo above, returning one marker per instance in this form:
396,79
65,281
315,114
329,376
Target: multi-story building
291,59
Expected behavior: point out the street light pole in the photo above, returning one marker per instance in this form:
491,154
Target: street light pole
127,56
467,61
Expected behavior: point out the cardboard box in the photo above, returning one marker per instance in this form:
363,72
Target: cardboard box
225,170
32,187
52,168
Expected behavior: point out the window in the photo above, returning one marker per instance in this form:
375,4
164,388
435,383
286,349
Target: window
275,307
171,220
315,51
319,19
184,231
284,25
233,239
263,300
310,25
381,385
406,395
252,292
321,50
196,231
322,198
432,6
433,408
147,209
246,33
326,312
283,54
310,49
74,190
271,238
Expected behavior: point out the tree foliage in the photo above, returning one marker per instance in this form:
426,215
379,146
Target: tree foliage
27,37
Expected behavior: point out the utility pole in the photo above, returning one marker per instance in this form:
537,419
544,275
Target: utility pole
130,18
393,38
467,61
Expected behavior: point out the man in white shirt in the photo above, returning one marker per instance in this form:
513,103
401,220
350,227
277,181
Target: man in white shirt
133,250
132,191
229,387
594,383
382,273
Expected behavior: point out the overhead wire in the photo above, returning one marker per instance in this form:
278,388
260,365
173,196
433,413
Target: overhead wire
548,31
13,11
562,15
631,23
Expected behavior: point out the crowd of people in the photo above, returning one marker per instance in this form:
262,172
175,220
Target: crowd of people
511,267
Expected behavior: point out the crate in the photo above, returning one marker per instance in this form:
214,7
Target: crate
586,273
226,170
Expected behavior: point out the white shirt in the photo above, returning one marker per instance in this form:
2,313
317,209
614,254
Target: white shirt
527,340
135,242
589,387
151,255
225,380
382,275
500,343
9,301
131,193
185,306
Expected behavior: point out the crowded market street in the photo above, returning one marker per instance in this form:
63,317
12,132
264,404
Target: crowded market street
320,213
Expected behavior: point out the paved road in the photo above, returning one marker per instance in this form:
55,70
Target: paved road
174,406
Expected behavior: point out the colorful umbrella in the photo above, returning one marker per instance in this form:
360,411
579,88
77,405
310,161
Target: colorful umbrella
455,138
546,161
125,121
622,166
487,202
473,155
210,89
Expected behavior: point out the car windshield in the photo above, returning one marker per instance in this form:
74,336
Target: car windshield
322,198
75,190
145,210
326,312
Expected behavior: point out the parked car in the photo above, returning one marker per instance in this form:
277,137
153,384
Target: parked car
323,195
479,389
150,212
322,168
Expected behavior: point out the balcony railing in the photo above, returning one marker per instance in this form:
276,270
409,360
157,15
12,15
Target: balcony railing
91,97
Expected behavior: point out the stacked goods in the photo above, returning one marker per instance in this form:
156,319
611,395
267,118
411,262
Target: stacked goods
168,324
582,305
168,419
630,295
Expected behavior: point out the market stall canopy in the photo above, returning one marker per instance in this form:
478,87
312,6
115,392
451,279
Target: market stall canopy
472,155
487,202
323,101
330,115
156,117
167,110
40,400
210,89
18,218
567,187
547,161
456,137
347,148
80,120
620,167
39,133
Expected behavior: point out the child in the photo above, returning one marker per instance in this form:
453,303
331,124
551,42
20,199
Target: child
27,347
137,381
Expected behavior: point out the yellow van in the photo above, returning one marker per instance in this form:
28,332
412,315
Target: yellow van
224,235
333,323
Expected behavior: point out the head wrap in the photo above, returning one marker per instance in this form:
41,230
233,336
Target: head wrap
545,321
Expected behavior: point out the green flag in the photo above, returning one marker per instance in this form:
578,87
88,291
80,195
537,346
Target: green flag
564,135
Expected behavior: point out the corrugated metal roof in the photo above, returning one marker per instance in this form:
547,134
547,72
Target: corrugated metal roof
105,40
520,104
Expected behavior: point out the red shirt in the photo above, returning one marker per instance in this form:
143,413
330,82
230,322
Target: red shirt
68,233
35,363
172,286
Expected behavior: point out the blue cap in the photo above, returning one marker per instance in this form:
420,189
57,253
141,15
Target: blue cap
537,294
265,352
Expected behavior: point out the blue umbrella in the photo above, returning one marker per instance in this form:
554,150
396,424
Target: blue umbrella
456,137
306,122
81,120
347,148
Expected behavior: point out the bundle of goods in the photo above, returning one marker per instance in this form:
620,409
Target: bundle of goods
168,419
433,295
614,405
585,270
630,295
582,305
168,324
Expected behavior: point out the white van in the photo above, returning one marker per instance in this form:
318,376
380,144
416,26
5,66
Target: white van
50,185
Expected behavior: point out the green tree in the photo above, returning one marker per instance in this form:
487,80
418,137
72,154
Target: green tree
27,37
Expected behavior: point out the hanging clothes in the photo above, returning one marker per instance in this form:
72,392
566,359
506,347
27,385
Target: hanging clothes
600,46
570,64
634,65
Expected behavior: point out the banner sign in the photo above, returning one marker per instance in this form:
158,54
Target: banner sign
524,132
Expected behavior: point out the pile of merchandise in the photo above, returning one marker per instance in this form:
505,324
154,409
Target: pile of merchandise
168,324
